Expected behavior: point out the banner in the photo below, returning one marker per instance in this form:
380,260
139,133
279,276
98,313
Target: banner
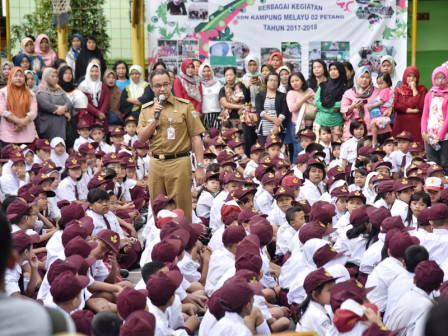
225,32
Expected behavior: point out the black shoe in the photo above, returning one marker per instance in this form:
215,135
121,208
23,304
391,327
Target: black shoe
124,273
138,225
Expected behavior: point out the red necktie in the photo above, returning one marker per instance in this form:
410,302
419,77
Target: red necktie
76,192
119,192
403,164
130,143
107,222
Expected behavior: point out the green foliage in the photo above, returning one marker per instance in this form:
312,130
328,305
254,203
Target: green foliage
225,35
84,17
399,32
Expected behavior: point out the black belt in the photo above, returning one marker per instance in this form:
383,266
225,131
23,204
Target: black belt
170,156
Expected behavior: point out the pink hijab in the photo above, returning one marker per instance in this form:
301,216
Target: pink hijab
49,57
436,89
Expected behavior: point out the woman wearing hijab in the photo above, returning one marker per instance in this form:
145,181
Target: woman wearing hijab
328,101
409,99
4,73
27,47
85,55
355,101
388,65
434,124
43,49
114,117
76,45
265,70
137,93
97,96
210,96
54,107
319,74
30,81
18,109
187,85
276,60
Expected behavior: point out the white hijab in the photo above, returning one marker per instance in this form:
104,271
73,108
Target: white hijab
90,86
370,194
137,89
59,160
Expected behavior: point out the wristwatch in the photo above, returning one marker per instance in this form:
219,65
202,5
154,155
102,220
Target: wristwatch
201,164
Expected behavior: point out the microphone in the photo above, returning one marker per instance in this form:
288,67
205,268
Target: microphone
161,100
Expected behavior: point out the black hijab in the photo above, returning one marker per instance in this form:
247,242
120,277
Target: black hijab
66,86
332,90
312,81
84,58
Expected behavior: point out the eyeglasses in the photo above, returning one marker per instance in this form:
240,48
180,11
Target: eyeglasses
440,78
158,86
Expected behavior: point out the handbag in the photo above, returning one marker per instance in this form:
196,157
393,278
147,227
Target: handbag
310,111
249,116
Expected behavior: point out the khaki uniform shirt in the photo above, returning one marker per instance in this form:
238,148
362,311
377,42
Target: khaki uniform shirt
177,113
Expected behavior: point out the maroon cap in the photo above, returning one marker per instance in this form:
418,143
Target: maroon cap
302,158
325,254
256,147
282,163
405,135
196,231
97,180
214,305
305,205
308,133
111,238
235,293
117,131
399,242
316,278
336,171
83,123
217,141
160,203
179,234
20,240
402,184
416,176
214,132
79,246
230,218
438,211
72,163
389,140
71,212
379,164
246,215
42,177
58,267
67,286
380,178
357,194
211,175
316,162
235,143
359,216
422,219
261,227
340,192
349,289
273,140
166,250
82,227
323,212
250,242
110,158
128,162
229,134
291,181
434,168
130,119
82,264
96,126
233,177
78,156
248,256
42,144
240,195
140,145
130,300
224,157
233,235
378,150
16,156
428,275
62,204
269,177
208,154
314,229
162,286
284,191
36,190
17,208
416,147
139,323
385,186
83,321
444,195
88,148
377,215
393,222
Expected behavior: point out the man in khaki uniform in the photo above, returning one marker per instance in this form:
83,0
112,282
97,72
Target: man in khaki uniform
173,129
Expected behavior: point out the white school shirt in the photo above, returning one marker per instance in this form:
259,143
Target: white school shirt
327,151
215,210
66,190
409,311
230,324
372,256
354,248
267,280
189,268
220,261
125,193
10,184
284,236
207,323
349,150
396,157
80,141
250,167
204,204
215,242
100,223
99,271
401,285
381,278
436,243
400,208
105,148
263,203
12,276
141,171
162,326
314,319
129,140
276,216
311,192
55,249
381,202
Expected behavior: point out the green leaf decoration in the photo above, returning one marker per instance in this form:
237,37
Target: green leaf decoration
161,12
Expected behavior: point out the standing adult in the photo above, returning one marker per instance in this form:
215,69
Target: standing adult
121,68
76,45
434,124
44,50
319,74
18,109
54,107
114,116
187,85
409,99
136,93
356,100
4,73
328,101
225,96
388,65
27,46
90,51
210,96
273,110
97,96
174,129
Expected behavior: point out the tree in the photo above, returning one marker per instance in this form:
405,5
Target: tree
84,17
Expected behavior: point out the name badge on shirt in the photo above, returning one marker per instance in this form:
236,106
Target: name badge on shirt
170,132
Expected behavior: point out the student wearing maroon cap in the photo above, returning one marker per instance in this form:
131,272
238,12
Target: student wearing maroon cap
14,175
264,198
437,241
139,323
404,190
314,186
207,194
142,158
70,187
284,197
255,152
83,132
97,134
295,218
401,156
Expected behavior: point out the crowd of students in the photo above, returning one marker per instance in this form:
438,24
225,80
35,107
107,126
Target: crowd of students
303,222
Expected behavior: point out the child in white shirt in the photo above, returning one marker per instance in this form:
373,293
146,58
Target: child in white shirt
130,127
83,131
349,148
